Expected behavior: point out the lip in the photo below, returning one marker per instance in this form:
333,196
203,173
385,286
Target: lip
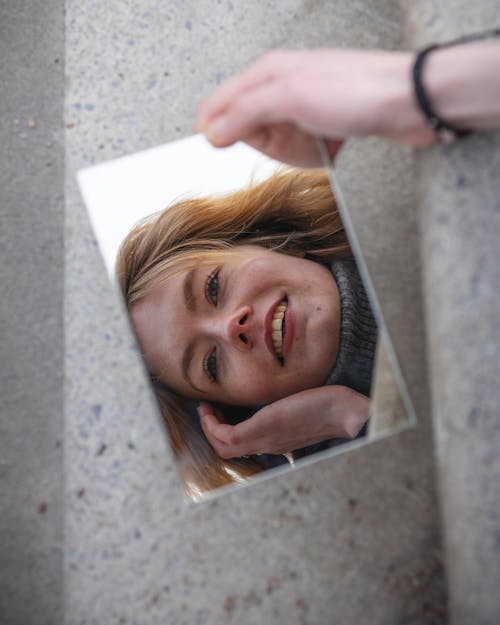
268,329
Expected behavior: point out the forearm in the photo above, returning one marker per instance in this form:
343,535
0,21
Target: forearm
464,84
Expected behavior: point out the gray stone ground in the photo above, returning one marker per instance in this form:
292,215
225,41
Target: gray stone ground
459,190
31,312
348,539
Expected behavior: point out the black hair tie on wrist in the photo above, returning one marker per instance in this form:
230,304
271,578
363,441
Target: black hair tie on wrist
445,131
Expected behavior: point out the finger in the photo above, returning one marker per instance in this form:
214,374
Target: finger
288,143
247,114
255,75
219,437
204,408
207,408
215,430
208,424
222,97
233,441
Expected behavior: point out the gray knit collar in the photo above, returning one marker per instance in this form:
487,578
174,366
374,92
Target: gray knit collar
358,330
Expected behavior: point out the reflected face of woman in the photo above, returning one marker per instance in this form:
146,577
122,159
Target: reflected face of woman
246,331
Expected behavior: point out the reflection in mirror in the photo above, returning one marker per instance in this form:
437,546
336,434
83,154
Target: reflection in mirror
247,305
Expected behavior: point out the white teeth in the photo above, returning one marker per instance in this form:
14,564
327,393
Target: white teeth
277,328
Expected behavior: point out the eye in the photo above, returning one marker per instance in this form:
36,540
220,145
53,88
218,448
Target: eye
210,366
212,286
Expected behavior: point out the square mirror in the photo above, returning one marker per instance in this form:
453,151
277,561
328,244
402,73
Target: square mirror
251,305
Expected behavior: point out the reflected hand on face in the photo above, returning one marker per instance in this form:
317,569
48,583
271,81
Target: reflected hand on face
302,419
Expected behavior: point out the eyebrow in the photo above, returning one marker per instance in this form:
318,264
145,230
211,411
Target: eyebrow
187,288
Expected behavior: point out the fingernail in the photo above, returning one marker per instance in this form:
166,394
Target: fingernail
216,130
200,125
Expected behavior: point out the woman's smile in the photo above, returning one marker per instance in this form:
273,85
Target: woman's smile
274,329
257,327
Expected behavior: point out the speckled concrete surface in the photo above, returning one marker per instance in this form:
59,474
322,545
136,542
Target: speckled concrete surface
31,312
459,191
461,217
352,539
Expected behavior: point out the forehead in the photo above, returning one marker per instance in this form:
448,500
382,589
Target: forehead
155,319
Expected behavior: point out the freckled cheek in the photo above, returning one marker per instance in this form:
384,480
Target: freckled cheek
250,378
252,385
259,273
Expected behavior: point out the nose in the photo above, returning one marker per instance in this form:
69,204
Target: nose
235,327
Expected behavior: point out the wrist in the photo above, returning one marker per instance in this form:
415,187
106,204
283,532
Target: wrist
348,412
357,419
460,81
399,116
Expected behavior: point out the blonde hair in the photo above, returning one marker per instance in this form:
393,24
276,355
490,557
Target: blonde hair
292,212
